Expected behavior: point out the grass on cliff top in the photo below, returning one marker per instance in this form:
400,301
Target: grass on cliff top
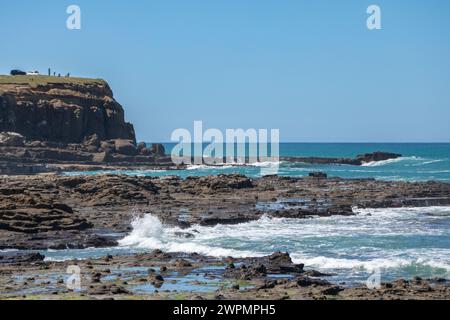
44,80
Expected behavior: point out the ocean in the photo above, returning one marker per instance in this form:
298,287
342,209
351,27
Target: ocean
401,242
419,162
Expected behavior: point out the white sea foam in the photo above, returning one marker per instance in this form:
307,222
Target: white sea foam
8,250
266,164
207,167
263,164
393,262
428,162
149,233
373,238
390,161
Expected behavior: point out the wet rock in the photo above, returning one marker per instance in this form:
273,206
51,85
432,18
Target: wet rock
332,291
112,289
186,235
18,257
96,276
377,156
233,181
182,263
246,272
315,273
280,258
157,278
359,160
281,262
318,174
304,281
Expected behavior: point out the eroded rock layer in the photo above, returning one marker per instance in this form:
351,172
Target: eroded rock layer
65,111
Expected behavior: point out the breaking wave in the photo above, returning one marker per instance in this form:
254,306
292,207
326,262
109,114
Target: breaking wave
407,241
391,161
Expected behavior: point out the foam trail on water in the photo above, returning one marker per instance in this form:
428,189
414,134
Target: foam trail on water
390,161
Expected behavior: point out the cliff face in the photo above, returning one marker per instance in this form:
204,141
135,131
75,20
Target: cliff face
61,109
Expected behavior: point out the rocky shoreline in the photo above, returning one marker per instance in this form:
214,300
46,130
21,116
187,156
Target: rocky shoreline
160,275
54,211
50,125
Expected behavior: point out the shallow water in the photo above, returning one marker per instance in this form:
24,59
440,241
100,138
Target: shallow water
420,162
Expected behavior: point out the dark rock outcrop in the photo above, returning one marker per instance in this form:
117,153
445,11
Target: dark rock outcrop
126,147
19,257
69,111
359,160
318,174
377,156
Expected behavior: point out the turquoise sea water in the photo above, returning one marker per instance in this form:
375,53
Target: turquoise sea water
402,242
420,162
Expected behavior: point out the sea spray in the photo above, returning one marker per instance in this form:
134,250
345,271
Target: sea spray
146,228
407,241
148,232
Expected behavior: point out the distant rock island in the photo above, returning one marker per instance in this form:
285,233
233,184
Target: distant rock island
358,161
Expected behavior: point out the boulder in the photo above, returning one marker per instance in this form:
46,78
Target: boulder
125,147
108,146
11,139
318,174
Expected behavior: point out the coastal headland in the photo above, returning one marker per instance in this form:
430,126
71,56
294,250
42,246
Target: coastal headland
50,124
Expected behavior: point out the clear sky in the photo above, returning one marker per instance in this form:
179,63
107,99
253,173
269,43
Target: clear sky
308,67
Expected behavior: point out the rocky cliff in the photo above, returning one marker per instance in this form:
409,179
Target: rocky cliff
66,110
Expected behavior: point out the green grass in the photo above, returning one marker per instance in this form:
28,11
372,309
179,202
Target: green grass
44,80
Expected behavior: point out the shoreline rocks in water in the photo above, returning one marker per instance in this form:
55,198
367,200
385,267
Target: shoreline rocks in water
162,275
358,161
53,211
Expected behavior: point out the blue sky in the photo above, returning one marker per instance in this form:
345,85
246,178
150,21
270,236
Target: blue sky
310,68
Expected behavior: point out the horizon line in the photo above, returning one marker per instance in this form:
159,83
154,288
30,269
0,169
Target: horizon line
337,142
